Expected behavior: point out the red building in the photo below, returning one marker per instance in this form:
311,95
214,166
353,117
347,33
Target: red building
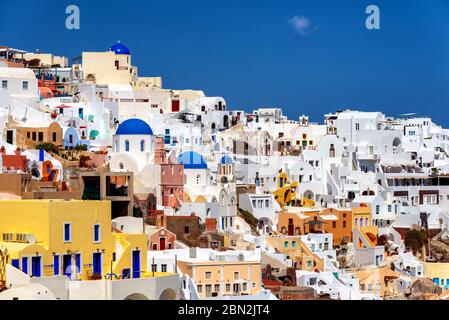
13,162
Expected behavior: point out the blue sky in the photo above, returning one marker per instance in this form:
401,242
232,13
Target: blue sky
250,53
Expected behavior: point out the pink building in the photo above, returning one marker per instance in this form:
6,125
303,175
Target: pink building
172,176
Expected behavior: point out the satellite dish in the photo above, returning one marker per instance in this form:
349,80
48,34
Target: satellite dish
31,238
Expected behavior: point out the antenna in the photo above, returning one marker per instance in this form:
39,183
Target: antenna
24,119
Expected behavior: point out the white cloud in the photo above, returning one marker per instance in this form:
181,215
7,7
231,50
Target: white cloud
301,25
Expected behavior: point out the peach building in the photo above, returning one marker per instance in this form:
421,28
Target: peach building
29,136
296,250
222,273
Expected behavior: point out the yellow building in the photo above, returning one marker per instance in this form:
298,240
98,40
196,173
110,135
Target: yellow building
438,273
363,223
74,238
229,273
285,195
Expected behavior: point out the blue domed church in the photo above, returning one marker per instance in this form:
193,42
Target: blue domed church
133,145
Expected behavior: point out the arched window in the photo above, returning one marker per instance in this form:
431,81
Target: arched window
127,145
142,145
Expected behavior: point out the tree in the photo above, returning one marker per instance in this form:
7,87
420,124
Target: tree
415,240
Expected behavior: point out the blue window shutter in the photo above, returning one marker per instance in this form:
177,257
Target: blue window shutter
56,265
15,263
25,265
78,262
96,233
67,230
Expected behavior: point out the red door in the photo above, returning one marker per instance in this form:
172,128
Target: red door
291,229
175,105
162,244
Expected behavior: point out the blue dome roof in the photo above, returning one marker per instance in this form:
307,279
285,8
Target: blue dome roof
192,160
134,126
226,160
119,48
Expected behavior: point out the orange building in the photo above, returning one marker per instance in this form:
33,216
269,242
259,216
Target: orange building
295,221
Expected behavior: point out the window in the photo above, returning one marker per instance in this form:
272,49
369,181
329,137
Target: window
154,268
357,126
186,229
208,274
217,288
127,145
199,288
25,85
5,84
163,268
286,244
236,276
344,224
54,136
97,235
293,244
142,145
244,286
67,232
41,136
228,287
34,136
334,224
208,289
377,209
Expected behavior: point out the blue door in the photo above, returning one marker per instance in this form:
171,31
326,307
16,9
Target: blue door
36,266
56,265
96,262
25,265
136,264
67,264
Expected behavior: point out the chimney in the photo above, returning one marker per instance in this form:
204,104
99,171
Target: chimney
160,153
161,220
192,253
211,224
